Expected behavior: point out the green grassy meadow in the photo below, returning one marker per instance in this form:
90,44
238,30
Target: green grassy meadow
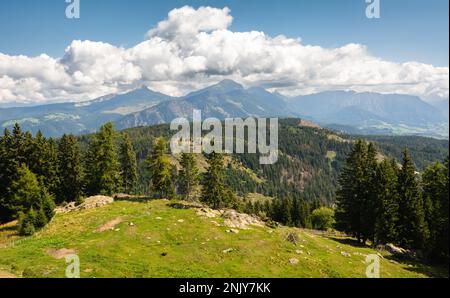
153,239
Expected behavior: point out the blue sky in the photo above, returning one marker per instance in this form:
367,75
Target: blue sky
293,47
412,30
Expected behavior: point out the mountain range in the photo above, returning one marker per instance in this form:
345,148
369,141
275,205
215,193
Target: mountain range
348,111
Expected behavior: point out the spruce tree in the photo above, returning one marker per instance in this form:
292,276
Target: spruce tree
102,164
214,192
436,192
128,165
387,203
370,198
160,171
188,176
8,168
26,223
352,192
412,229
42,160
70,170
24,193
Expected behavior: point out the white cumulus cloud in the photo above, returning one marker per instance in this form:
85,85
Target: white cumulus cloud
193,48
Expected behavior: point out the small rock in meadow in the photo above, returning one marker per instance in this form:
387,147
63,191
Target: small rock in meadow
345,254
215,223
234,231
293,261
228,250
300,252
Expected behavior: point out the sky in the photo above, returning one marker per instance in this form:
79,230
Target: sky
406,50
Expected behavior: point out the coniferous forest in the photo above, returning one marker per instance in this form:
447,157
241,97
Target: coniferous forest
323,180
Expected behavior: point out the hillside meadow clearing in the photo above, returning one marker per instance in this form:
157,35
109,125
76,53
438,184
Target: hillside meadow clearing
154,239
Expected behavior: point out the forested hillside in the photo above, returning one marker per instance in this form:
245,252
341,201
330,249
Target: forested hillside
309,164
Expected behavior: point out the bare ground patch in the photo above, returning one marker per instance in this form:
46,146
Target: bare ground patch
60,253
110,225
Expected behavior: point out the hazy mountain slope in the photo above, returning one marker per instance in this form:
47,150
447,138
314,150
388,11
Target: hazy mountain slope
57,119
224,100
380,113
395,108
361,113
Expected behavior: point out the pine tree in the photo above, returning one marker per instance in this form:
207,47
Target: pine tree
436,192
370,198
42,159
160,171
412,229
352,192
214,191
24,193
40,219
70,170
26,223
8,168
102,164
128,165
12,155
188,176
47,203
386,203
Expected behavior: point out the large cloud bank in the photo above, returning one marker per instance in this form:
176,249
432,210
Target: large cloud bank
193,48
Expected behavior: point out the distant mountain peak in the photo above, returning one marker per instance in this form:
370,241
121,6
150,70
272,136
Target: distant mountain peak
229,84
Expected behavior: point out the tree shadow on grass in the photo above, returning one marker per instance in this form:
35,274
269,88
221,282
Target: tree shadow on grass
132,198
407,262
433,270
348,241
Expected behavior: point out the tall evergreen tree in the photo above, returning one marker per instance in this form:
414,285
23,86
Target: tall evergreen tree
24,192
412,229
214,191
8,167
188,176
160,171
70,170
42,160
436,192
128,165
102,164
386,203
370,198
352,192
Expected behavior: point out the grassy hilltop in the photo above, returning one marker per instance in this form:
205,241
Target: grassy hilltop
154,239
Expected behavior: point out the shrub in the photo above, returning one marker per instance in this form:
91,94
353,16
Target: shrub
322,218
26,223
